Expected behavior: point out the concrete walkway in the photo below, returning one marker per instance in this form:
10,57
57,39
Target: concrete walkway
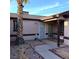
43,50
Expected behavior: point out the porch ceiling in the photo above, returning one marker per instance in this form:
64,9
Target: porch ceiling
61,16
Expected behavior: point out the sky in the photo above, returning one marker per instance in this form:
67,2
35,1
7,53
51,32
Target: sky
42,7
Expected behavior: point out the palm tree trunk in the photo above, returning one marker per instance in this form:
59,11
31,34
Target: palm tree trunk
19,38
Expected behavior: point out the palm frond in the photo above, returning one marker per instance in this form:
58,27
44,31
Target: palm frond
25,1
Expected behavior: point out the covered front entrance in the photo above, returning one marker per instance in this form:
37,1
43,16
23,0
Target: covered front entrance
56,30
53,28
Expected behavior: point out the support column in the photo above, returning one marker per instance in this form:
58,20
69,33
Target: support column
58,33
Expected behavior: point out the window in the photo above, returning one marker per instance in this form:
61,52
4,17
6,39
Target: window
14,25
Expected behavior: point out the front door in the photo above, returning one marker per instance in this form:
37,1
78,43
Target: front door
42,30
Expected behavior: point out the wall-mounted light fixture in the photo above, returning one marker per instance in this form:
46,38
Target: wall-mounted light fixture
57,15
66,23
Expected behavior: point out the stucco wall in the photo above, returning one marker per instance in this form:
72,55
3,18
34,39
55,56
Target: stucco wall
66,32
30,27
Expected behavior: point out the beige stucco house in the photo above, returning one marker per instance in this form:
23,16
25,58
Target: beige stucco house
43,26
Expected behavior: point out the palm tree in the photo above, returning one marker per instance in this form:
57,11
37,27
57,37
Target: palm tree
19,38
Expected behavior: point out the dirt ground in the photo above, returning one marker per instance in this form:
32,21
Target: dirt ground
26,51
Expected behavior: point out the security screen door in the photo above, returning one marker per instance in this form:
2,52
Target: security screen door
42,30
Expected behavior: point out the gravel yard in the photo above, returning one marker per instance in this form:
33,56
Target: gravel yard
25,51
